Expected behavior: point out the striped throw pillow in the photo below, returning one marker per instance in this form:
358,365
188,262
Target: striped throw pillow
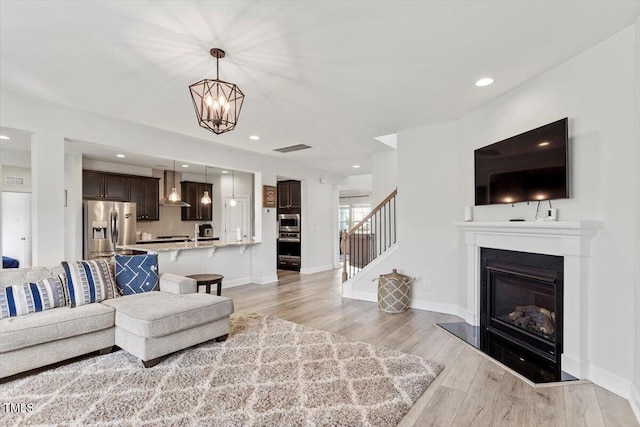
89,281
17,300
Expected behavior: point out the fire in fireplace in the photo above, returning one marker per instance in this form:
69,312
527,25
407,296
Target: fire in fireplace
521,311
537,320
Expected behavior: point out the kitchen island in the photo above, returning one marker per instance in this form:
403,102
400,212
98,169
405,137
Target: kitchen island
232,259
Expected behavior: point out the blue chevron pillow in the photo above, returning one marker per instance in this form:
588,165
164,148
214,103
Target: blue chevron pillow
136,274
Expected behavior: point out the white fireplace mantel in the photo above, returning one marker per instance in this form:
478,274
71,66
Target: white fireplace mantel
569,239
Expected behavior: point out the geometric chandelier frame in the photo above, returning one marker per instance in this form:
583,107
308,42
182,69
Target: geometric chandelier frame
217,103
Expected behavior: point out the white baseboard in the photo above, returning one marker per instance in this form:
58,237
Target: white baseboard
634,400
264,280
440,308
318,269
235,282
610,381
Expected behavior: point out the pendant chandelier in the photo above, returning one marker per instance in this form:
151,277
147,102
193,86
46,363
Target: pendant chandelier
217,103
173,199
233,202
206,199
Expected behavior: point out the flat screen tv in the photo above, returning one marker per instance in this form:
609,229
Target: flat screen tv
527,167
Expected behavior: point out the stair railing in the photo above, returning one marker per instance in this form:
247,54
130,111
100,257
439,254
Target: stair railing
369,238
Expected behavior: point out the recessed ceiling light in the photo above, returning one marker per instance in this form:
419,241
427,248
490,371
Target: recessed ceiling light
122,156
544,144
356,166
185,166
485,81
225,171
4,137
254,137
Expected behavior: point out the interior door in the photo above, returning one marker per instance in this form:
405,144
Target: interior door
16,227
236,217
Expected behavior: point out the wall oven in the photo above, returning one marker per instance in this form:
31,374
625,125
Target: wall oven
289,223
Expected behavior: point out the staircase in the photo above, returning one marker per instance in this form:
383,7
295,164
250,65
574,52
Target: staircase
371,237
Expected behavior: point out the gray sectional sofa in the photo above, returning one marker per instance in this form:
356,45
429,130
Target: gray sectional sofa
149,325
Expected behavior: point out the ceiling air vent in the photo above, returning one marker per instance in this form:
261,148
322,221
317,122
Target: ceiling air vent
291,148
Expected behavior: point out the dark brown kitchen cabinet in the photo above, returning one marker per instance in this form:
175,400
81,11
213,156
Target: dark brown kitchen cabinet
289,195
144,192
105,186
92,185
116,187
192,193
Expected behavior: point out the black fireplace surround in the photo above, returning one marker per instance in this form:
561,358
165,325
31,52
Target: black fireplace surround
521,300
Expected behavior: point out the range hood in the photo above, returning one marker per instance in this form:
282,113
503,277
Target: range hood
169,181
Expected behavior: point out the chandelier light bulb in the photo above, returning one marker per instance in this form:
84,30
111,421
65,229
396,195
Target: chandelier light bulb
174,197
205,199
232,202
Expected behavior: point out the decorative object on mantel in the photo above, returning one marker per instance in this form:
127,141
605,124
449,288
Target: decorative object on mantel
468,213
206,199
303,376
268,196
217,103
394,292
174,198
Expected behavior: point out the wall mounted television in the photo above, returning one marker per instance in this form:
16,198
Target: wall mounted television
528,167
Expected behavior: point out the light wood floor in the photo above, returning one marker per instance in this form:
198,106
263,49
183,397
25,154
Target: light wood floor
471,391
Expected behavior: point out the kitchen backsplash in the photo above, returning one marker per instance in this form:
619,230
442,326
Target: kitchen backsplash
170,224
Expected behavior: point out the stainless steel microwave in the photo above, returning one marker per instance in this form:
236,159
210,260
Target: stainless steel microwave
289,223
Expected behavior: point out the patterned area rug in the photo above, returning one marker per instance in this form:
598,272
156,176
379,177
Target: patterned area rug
269,372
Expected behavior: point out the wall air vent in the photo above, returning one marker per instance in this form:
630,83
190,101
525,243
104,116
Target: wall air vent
291,148
14,180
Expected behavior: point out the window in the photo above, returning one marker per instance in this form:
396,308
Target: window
343,218
358,212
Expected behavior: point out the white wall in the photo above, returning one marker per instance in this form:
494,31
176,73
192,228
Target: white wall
73,235
20,158
635,392
21,112
97,165
357,182
317,233
354,200
597,90
385,175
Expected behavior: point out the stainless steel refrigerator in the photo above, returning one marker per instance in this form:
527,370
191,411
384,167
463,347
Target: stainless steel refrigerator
108,225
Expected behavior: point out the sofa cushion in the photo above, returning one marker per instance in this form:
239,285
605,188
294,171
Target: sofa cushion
51,325
27,275
156,314
32,297
89,281
136,274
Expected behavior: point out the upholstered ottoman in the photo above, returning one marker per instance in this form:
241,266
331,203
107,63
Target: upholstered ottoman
154,324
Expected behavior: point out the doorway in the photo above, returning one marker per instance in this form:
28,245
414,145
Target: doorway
16,226
236,218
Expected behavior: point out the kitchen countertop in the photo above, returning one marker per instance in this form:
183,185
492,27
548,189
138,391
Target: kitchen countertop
175,240
180,246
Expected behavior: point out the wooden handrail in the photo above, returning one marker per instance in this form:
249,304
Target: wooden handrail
373,212
364,253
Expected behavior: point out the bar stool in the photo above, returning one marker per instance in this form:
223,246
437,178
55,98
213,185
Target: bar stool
208,280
